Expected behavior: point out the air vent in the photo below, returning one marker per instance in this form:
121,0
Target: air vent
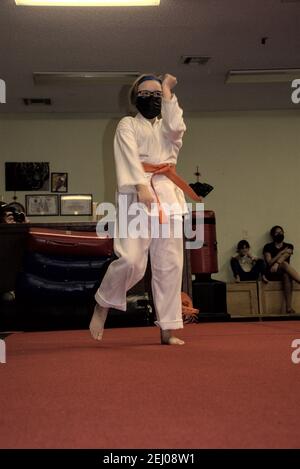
37,101
195,59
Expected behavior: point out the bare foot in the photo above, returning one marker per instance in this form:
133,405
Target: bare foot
167,338
264,279
98,321
291,311
237,279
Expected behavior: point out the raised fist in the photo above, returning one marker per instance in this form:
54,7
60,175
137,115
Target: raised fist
169,81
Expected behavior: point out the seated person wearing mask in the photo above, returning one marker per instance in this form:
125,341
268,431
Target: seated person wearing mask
246,267
277,256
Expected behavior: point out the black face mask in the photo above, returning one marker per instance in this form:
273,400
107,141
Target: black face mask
149,107
278,238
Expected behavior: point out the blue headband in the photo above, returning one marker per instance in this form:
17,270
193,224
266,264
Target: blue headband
149,78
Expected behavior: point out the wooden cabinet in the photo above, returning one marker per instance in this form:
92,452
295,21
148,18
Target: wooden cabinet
258,299
271,299
242,299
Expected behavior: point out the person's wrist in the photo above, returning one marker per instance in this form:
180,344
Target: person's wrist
167,93
140,187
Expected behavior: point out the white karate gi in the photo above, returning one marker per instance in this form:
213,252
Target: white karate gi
137,141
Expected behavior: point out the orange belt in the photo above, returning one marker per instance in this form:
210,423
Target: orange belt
169,170
190,314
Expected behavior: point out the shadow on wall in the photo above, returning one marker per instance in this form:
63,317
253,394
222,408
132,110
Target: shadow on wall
123,100
224,265
108,146
109,178
260,243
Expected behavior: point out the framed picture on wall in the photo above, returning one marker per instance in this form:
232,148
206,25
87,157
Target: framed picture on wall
76,204
27,176
42,205
59,182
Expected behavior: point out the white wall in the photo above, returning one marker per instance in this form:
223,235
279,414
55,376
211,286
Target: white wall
251,158
253,161
80,146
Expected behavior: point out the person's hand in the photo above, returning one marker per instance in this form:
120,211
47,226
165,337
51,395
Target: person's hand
274,267
288,251
169,81
145,196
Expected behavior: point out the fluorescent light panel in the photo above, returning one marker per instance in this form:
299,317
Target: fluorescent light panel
109,78
88,3
76,197
263,76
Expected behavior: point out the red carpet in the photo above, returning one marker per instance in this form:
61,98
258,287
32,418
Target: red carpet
231,386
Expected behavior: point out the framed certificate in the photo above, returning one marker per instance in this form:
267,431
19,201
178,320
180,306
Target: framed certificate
42,205
76,204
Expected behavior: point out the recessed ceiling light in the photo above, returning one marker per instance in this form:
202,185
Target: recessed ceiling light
281,75
88,3
109,78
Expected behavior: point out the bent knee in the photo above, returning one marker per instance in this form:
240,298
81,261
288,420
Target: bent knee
171,267
134,264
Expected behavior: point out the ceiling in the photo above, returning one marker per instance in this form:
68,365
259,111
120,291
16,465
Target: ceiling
149,39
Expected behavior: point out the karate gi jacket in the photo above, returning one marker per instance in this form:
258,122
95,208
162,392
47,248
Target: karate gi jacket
137,141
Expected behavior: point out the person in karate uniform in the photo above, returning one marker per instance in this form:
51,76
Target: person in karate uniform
147,139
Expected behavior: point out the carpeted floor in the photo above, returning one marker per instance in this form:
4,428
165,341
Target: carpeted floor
233,385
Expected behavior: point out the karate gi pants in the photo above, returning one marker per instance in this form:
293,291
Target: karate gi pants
166,255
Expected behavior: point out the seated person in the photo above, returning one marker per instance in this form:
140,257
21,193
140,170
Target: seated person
246,267
9,214
277,256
